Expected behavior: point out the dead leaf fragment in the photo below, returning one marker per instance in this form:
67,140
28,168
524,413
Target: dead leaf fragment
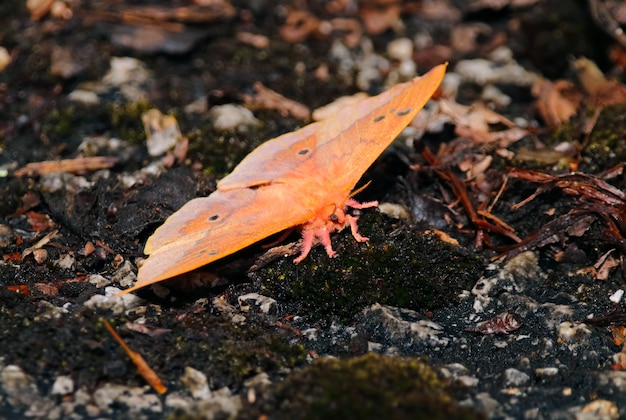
256,40
43,241
602,91
38,8
503,323
299,25
142,366
380,15
556,102
266,98
67,165
39,222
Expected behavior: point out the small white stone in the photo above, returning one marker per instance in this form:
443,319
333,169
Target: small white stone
196,383
5,58
98,280
515,378
400,49
66,262
135,398
546,372
230,117
569,332
617,296
63,385
266,304
84,97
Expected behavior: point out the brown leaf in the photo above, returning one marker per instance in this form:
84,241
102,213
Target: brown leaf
299,25
556,102
266,98
67,165
380,15
503,323
602,91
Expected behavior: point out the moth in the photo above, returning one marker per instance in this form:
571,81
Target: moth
303,179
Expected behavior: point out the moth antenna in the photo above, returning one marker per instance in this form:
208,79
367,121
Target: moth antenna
358,190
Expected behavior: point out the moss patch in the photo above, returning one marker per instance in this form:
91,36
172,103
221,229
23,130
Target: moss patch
367,387
411,270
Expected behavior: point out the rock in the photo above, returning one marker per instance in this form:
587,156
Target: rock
514,378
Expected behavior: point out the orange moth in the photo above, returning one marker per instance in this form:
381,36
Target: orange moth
301,179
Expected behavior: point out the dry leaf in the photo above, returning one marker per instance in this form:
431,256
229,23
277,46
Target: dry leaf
556,102
68,165
266,98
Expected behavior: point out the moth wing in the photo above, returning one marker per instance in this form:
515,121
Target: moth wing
274,161
209,228
351,140
367,128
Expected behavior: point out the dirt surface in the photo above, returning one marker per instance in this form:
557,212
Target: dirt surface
473,298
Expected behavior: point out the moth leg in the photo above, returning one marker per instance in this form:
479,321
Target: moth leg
353,219
324,236
307,244
355,228
356,205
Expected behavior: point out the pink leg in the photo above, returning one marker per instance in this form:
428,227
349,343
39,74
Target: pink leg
307,243
356,205
324,238
355,229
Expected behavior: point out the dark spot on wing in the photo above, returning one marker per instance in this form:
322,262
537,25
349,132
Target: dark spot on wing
214,218
379,118
304,152
204,253
404,112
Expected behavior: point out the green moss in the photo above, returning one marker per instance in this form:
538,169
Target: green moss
367,387
607,143
220,151
410,270
125,119
246,356
60,123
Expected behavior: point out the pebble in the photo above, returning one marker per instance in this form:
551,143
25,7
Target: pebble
19,387
84,97
110,300
265,304
7,236
196,383
5,58
400,49
546,372
66,262
130,76
505,70
135,398
230,117
617,296
404,326
599,409
99,281
514,378
125,275
47,311
570,332
63,385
